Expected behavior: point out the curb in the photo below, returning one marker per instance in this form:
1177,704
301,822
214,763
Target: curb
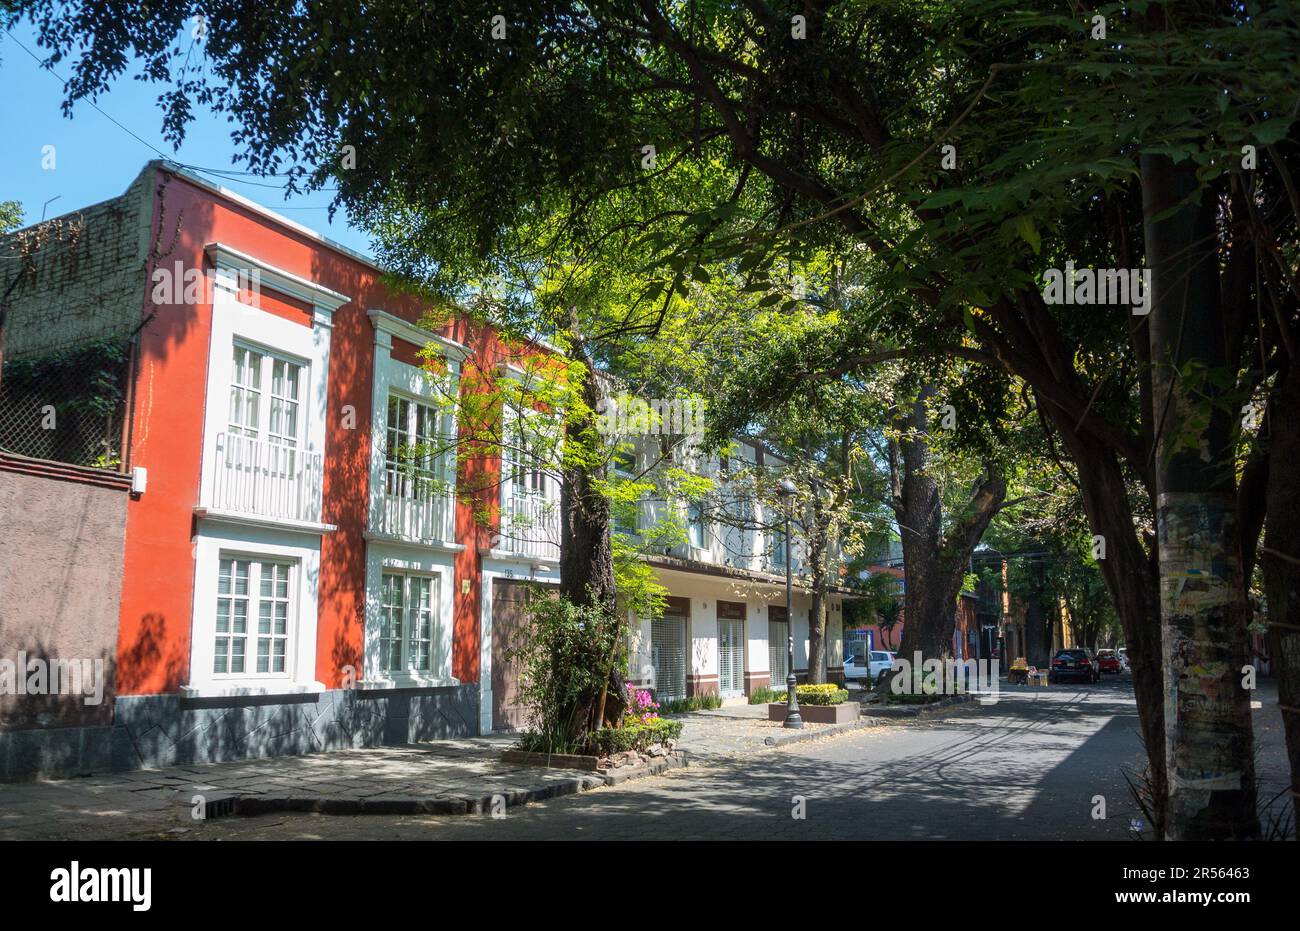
801,736
615,777
911,711
251,805
866,720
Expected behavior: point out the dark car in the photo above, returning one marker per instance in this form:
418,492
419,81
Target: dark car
1078,664
1109,661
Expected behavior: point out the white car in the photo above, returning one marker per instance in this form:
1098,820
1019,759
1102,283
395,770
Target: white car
868,666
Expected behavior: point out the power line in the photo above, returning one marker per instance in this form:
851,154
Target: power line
223,173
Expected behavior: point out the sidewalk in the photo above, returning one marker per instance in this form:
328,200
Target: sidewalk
443,778
448,777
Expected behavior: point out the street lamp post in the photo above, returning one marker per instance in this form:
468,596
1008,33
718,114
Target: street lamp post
792,717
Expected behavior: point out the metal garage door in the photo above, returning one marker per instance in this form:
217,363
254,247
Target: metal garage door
668,657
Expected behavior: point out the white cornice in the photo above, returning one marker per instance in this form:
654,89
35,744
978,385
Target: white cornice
393,325
319,296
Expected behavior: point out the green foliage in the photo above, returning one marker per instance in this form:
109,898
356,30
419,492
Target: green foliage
691,703
639,735
11,215
765,695
562,649
820,694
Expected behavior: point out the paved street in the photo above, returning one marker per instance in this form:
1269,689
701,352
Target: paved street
1025,768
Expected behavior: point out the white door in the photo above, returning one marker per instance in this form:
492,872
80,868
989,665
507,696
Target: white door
731,658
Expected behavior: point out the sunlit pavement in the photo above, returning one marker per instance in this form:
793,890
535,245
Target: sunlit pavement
1037,764
1030,766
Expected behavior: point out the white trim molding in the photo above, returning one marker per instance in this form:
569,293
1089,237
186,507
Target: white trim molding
407,560
505,568
389,325
234,322
216,541
228,259
413,519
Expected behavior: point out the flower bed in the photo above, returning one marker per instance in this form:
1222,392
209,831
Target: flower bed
826,694
640,729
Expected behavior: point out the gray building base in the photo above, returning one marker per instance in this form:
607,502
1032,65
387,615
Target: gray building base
153,731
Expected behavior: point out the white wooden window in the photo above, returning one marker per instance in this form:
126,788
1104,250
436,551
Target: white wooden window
256,374
695,526
408,624
413,452
526,454
254,617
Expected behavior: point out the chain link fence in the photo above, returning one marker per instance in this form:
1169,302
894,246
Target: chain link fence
67,404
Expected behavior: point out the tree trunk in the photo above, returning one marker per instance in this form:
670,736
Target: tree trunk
817,557
817,635
1132,578
1280,562
1203,607
934,564
586,554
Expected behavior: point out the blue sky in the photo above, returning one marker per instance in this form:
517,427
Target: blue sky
96,160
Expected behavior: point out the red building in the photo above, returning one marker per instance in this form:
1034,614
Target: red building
286,584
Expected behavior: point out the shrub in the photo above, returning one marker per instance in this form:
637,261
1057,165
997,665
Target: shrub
563,650
764,695
825,694
691,703
639,735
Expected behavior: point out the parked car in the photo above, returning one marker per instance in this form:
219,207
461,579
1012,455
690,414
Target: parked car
1077,663
1122,653
1108,660
868,666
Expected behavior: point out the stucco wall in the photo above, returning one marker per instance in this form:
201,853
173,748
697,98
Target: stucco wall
60,580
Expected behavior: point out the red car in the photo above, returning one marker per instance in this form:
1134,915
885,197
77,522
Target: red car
1109,661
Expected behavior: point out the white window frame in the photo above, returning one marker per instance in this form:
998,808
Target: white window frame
385,558
305,343
261,431
258,564
218,539
408,581
436,473
392,377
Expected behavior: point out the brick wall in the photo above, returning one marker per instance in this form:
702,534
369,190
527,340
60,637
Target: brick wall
81,273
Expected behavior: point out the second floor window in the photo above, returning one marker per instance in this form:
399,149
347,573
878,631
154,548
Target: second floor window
525,457
695,526
778,548
413,452
265,396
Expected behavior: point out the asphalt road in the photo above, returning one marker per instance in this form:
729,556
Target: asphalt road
1030,766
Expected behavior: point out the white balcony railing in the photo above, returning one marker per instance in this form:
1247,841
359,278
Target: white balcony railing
428,519
530,526
268,480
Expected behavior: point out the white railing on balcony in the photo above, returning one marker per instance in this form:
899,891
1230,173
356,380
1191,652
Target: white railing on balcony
428,518
530,526
264,479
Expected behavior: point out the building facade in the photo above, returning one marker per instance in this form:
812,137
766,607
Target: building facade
270,573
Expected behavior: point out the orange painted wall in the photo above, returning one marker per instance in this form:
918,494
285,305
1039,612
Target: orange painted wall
167,436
